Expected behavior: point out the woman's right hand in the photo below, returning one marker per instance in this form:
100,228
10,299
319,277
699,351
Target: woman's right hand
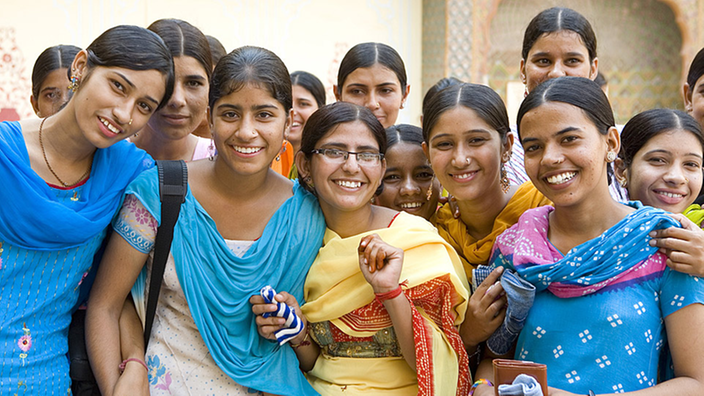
133,382
485,311
268,326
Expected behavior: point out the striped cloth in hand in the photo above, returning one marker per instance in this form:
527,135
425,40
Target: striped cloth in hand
293,325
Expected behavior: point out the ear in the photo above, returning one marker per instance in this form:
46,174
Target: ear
687,95
620,171
426,150
507,147
523,71
403,100
613,140
594,69
289,122
79,67
35,105
209,117
338,97
303,165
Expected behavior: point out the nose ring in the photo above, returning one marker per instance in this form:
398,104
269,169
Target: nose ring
378,105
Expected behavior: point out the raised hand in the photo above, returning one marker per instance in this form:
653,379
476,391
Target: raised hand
380,263
684,246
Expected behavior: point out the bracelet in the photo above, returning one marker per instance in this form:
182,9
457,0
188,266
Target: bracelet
478,382
124,364
302,343
382,297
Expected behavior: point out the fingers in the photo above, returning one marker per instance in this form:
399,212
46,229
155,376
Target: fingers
672,243
489,281
374,252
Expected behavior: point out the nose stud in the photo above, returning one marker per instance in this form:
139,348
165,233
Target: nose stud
130,123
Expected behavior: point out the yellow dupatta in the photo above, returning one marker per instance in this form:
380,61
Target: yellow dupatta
438,289
695,213
476,252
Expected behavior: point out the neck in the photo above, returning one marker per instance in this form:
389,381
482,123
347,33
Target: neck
161,147
236,187
61,136
349,223
588,219
479,215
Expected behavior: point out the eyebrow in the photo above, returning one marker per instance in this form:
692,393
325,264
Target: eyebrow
558,133
478,130
546,53
49,89
669,153
195,77
238,107
345,147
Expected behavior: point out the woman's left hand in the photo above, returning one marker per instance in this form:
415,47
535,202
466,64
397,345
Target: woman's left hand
684,246
380,263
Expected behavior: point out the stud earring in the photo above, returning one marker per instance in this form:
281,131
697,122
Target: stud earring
74,83
610,156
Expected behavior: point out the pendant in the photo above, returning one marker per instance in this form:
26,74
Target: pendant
75,196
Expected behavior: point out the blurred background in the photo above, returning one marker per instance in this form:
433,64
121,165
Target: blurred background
644,46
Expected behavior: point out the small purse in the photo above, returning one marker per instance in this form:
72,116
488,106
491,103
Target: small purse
506,370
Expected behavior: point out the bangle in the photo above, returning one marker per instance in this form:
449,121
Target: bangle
124,364
478,382
302,343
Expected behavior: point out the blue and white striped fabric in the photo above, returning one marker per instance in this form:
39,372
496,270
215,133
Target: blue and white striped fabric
293,325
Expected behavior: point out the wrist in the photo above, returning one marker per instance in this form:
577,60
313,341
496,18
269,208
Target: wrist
131,364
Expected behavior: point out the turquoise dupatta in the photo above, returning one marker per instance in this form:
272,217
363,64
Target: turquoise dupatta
218,284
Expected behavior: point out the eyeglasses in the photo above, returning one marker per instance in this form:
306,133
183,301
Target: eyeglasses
340,156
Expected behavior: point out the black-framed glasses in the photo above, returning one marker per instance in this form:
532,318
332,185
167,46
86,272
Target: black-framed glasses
340,156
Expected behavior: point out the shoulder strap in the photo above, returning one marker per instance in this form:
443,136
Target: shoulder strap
173,184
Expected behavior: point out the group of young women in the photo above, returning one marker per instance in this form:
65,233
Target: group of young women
382,297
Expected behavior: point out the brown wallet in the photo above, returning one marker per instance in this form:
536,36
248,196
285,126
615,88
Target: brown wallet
506,370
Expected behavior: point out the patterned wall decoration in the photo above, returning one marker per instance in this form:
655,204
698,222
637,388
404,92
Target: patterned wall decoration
641,61
434,42
459,41
15,86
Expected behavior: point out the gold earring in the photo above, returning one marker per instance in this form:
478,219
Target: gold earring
610,156
505,184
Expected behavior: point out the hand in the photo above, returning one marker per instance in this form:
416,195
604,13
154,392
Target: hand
485,311
133,382
268,326
684,246
454,208
380,263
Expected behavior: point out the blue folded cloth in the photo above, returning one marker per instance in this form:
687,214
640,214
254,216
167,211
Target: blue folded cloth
520,295
293,325
523,385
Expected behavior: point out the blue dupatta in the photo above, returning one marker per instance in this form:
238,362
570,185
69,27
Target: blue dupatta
218,284
615,257
31,218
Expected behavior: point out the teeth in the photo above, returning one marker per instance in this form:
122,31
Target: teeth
463,176
109,126
349,184
411,205
296,124
561,178
247,150
671,195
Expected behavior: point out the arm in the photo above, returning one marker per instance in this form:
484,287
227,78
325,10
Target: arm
381,266
684,246
118,271
306,350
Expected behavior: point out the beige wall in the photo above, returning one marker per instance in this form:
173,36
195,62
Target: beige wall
311,35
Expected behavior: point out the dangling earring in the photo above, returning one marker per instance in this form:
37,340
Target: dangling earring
623,182
74,83
505,184
211,150
429,194
283,150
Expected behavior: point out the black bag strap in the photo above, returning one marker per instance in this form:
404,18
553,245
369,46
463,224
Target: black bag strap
173,184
